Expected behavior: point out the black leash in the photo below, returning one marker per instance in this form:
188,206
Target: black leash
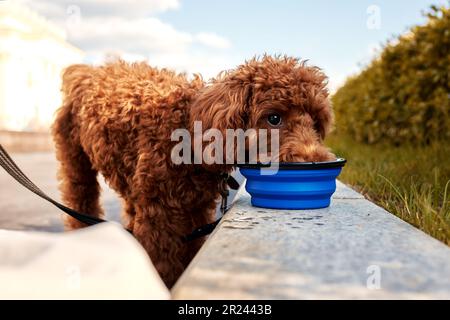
14,171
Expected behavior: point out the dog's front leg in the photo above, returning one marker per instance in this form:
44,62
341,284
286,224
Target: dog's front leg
159,236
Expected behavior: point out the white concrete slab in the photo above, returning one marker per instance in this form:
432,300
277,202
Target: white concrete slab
351,250
100,262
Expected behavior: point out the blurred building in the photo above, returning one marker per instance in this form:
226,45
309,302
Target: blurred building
33,53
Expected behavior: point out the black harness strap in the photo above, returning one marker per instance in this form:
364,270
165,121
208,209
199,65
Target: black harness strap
14,171
227,181
202,231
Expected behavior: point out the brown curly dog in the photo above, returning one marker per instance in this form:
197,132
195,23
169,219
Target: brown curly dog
117,120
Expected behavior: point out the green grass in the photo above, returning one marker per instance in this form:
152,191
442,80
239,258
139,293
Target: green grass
411,182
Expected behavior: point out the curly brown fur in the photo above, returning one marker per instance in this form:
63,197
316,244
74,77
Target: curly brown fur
117,120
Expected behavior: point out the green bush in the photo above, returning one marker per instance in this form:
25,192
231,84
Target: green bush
403,95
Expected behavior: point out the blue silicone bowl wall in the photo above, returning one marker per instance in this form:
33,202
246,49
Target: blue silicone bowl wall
291,189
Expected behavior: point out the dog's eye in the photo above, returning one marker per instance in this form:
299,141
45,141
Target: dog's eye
274,119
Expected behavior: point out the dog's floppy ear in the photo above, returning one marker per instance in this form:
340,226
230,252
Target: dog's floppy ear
323,117
313,94
223,104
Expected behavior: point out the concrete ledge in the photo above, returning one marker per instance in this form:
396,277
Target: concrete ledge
353,249
100,262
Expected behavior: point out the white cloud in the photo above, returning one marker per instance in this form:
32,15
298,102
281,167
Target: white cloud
135,36
212,40
88,8
207,65
130,29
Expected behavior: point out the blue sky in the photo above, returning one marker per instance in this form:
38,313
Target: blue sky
332,34
210,36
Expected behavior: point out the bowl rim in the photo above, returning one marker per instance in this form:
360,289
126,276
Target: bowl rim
338,163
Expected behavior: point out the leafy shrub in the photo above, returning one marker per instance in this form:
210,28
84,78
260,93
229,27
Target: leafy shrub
403,95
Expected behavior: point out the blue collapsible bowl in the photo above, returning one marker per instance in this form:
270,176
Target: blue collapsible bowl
295,185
